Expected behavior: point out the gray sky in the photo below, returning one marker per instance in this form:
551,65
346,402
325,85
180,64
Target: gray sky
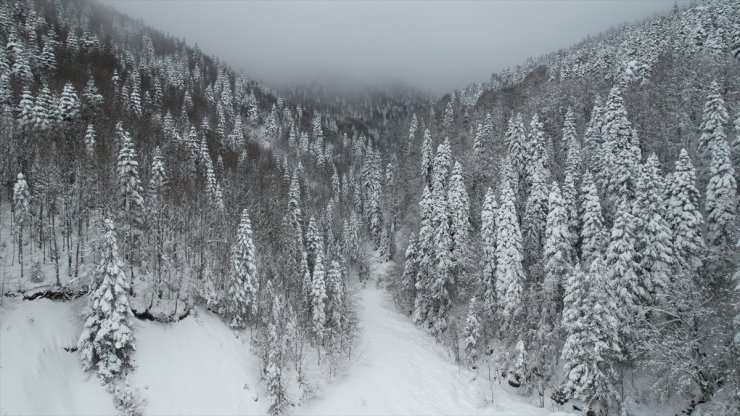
433,45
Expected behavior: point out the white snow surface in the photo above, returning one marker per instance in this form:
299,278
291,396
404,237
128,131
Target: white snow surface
201,366
398,369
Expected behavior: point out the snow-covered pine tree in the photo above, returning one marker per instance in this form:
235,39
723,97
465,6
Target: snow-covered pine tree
424,278
621,261
459,215
509,271
90,141
721,194
242,301
713,119
21,212
410,273
517,150
487,286
107,340
683,215
535,214
427,157
69,104
570,204
573,146
318,300
653,243
592,342
472,334
593,234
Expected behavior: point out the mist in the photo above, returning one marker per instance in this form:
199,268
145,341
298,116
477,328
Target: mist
435,46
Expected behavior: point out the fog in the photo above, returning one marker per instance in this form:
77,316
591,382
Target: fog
432,45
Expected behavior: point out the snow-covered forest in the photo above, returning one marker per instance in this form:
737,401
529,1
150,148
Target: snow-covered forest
179,238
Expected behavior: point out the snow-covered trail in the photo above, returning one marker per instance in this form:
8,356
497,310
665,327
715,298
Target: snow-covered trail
398,369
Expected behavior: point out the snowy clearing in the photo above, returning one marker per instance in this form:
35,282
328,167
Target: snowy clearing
398,369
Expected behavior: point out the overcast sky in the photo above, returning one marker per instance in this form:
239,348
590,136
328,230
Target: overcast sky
433,45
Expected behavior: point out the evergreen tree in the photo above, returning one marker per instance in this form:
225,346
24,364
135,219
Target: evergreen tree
593,237
653,236
472,333
509,272
591,345
535,215
318,298
90,140
459,215
410,271
487,288
621,261
107,340
21,212
713,120
426,257
683,215
242,288
570,204
721,195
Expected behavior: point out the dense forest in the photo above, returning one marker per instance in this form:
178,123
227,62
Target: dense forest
568,229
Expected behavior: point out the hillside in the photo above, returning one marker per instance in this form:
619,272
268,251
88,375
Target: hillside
562,236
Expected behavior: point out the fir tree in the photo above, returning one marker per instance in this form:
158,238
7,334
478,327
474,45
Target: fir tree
90,141
459,215
243,278
621,261
683,215
410,271
107,340
509,272
721,195
21,212
591,347
653,236
426,257
487,288
472,333
593,237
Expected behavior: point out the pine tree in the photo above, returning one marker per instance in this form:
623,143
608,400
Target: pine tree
573,146
591,347
335,302
570,204
107,340
410,272
592,139
487,288
90,141
713,119
721,195
653,236
472,333
69,104
243,275
21,212
26,110
509,272
517,150
621,261
593,235
535,215
442,274
414,126
683,215
318,298
427,158
426,258
459,215
557,252
130,191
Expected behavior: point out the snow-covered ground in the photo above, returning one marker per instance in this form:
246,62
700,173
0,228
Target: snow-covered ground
200,366
196,366
398,369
